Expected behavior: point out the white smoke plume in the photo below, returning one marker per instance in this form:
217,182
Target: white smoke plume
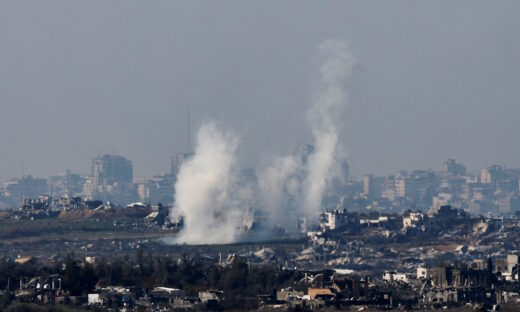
328,102
214,202
204,190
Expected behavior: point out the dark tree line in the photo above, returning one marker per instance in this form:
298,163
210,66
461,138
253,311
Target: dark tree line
239,281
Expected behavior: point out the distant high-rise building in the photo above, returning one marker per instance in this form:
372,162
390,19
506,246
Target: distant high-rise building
388,188
177,160
373,186
112,168
345,170
490,175
111,180
367,181
452,167
402,186
406,187
66,184
158,189
15,190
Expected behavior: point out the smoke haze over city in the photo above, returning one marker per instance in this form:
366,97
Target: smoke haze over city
435,80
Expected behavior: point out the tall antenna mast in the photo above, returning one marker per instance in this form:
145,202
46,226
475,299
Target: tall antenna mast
188,125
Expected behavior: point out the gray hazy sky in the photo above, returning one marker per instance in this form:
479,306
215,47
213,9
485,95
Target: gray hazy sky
435,79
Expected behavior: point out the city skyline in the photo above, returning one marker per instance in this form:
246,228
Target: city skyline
493,189
168,168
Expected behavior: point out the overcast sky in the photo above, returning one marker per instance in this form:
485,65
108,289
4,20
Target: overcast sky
434,80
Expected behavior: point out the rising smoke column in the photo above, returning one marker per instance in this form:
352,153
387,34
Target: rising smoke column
291,186
204,188
328,101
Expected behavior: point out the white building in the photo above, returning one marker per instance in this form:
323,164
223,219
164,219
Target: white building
412,220
332,220
395,277
422,272
94,299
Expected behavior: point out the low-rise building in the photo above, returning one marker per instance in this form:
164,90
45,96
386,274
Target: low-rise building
412,219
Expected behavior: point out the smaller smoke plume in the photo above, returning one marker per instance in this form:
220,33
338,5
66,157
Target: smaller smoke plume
295,185
328,102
